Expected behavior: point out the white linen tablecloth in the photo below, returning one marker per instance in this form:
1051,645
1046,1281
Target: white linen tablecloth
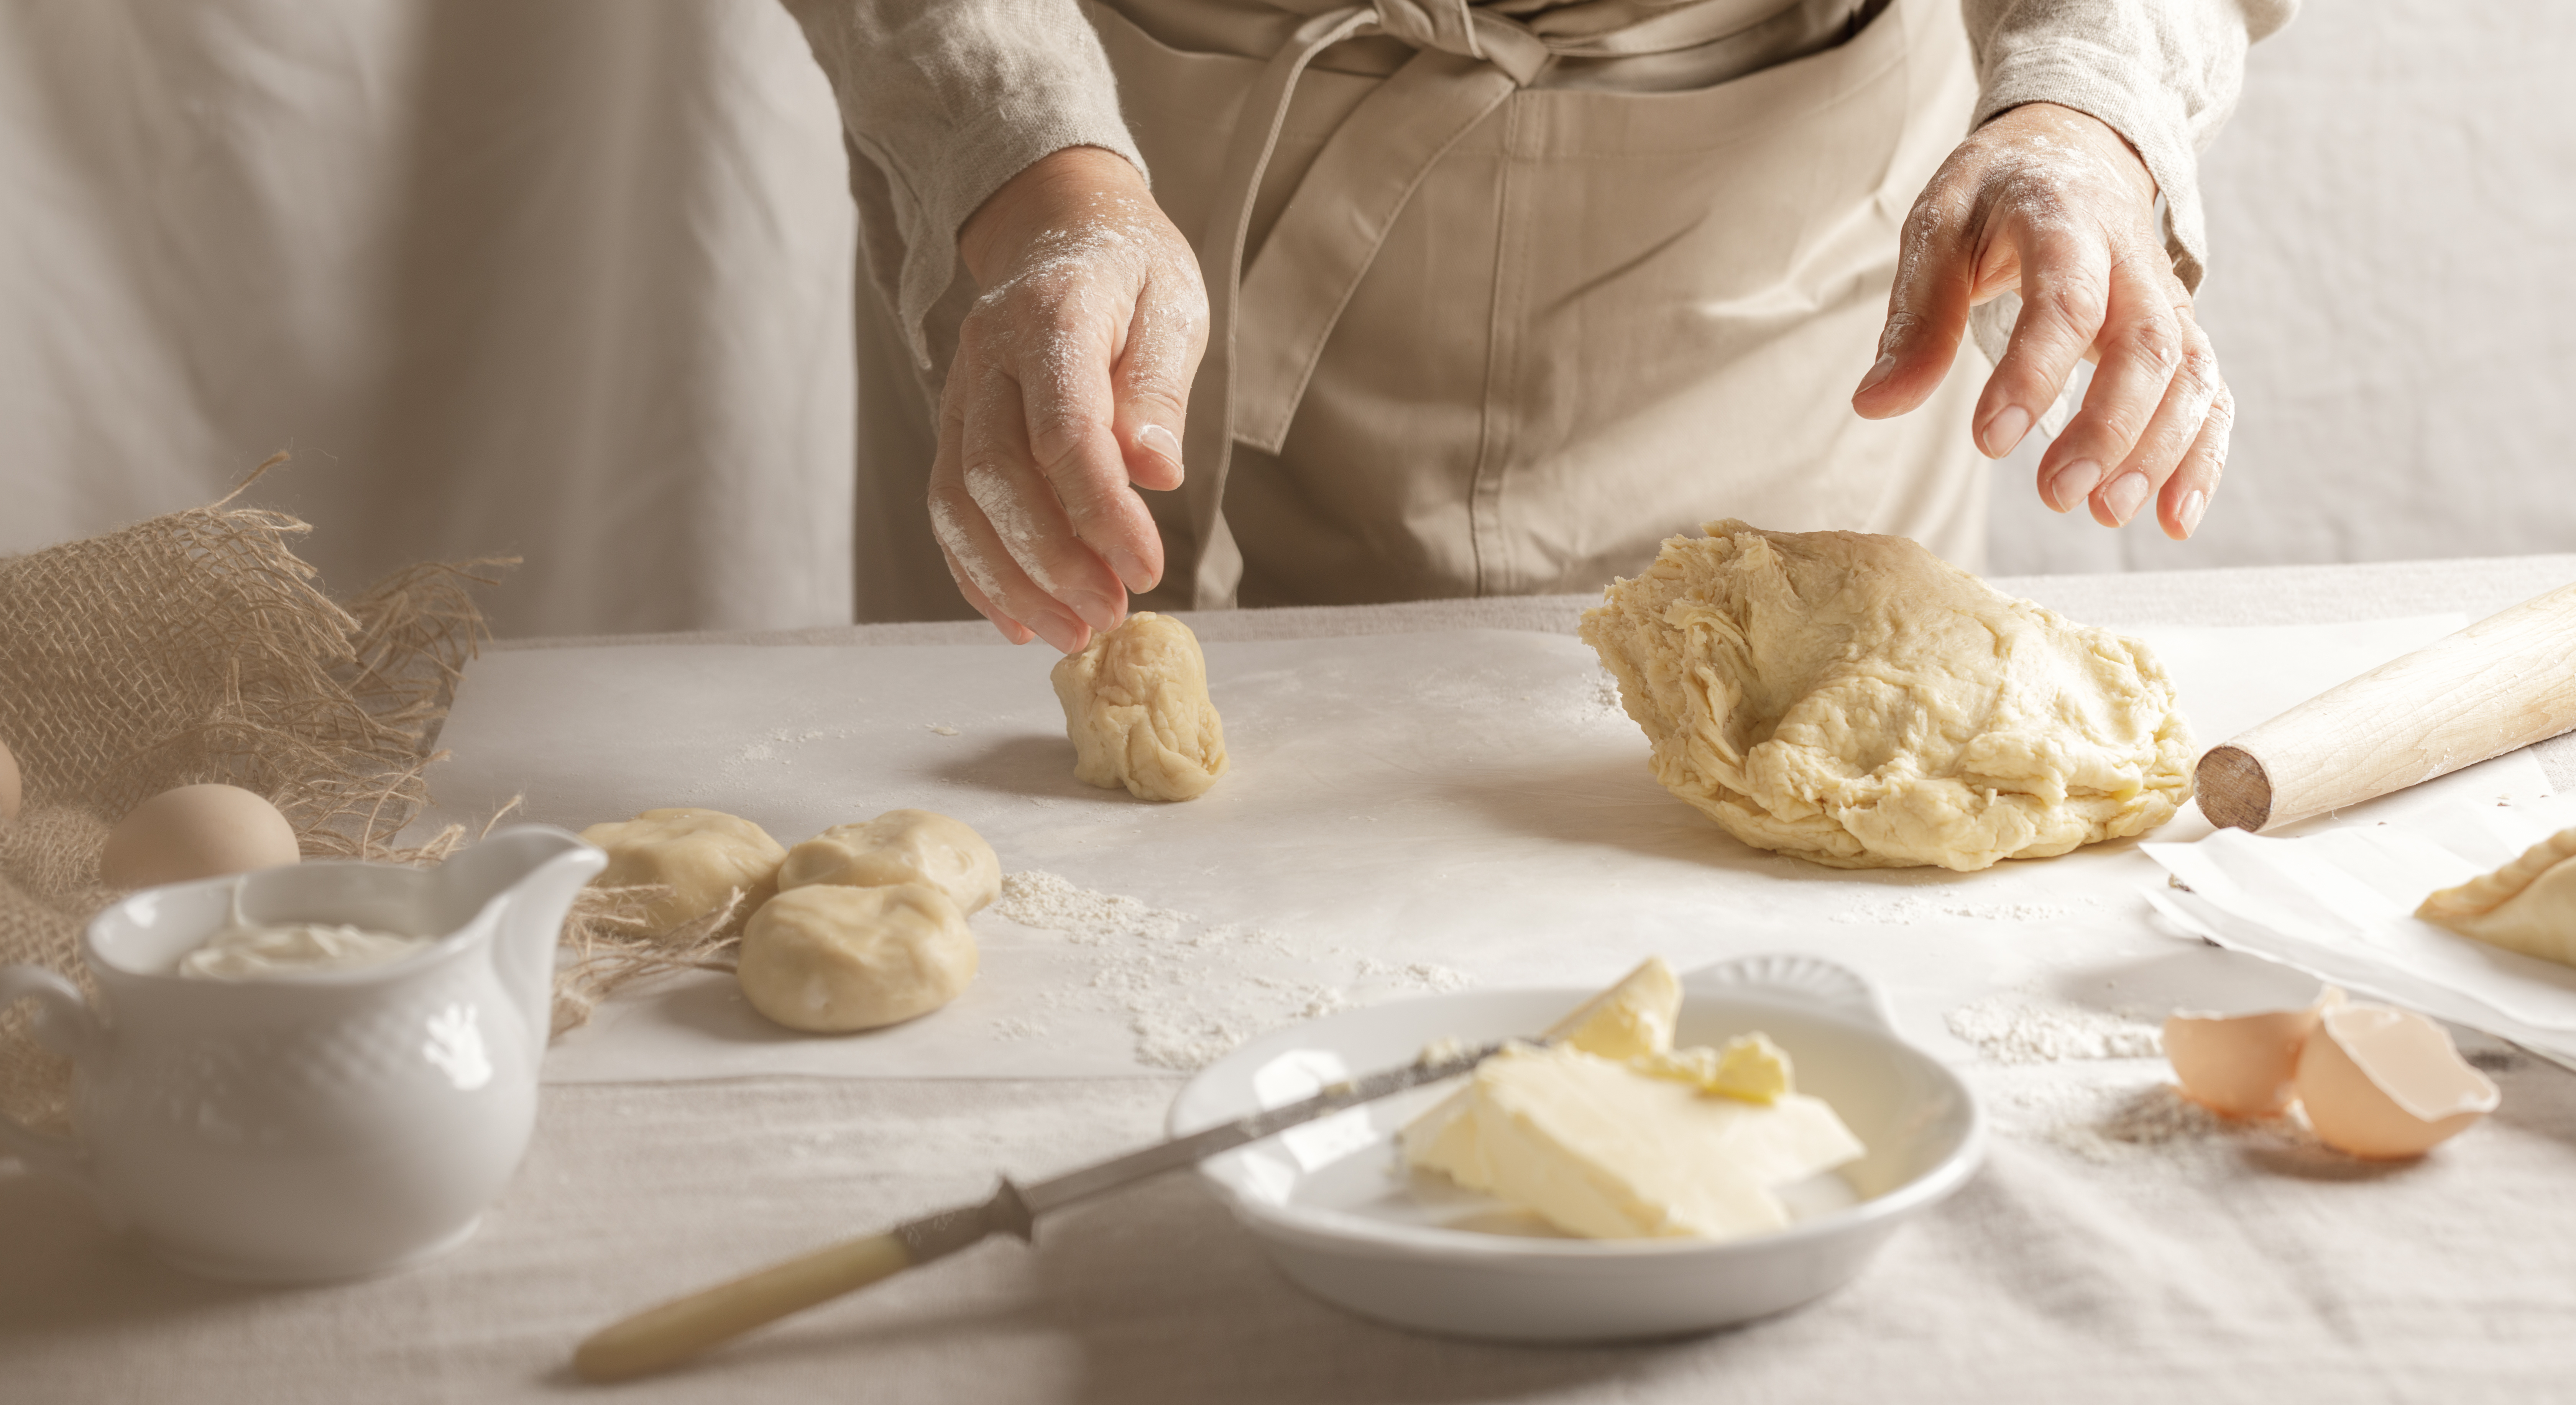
2223,1271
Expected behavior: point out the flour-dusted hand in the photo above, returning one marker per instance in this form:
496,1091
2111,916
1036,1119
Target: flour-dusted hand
2050,202
1067,394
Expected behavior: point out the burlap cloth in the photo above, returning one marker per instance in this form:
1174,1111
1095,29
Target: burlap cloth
197,647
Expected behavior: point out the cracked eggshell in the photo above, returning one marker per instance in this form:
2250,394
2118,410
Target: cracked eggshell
2243,1065
2386,1084
195,831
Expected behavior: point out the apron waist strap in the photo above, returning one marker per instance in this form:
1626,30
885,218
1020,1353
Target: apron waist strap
1470,60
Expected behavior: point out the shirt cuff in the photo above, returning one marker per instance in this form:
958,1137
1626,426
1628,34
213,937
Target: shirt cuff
984,154
2107,85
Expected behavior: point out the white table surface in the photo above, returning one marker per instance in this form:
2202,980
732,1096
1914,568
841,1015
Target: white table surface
2053,1276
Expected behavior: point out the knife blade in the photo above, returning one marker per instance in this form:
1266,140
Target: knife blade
664,1336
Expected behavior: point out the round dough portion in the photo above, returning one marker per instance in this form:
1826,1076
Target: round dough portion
900,846
830,959
701,855
1136,706
1857,701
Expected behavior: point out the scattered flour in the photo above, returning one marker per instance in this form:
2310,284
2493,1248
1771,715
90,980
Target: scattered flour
941,728
776,747
2018,1027
2127,1121
1909,910
1150,966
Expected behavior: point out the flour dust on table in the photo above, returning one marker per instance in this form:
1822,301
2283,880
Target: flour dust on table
1151,966
2022,1027
2132,1121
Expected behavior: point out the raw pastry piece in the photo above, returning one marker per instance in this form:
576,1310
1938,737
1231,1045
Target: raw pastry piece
1136,706
702,856
900,846
1857,701
2529,905
830,959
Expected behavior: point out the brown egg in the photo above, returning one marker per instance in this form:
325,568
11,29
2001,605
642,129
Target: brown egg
2243,1065
10,793
2386,1084
195,831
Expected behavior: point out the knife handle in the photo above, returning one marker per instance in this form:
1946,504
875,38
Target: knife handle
664,1336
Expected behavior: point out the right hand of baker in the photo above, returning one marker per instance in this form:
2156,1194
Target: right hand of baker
1068,392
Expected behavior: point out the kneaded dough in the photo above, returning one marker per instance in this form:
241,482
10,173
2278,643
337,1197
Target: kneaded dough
829,959
1857,701
900,846
701,855
2529,905
1136,706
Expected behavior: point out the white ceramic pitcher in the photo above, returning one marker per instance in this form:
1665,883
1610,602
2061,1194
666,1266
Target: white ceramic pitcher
321,1125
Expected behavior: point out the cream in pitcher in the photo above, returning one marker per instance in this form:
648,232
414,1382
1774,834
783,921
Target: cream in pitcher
311,1072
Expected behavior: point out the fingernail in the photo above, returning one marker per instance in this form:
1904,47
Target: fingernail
1162,441
2124,495
2194,503
2005,430
1065,635
2073,484
1877,372
1097,611
1130,570
1014,632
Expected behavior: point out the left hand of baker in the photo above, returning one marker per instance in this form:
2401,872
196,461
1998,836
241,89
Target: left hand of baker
2049,202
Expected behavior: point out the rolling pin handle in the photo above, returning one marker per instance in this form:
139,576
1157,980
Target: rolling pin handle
2234,789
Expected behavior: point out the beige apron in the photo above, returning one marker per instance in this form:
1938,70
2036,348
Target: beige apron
1476,334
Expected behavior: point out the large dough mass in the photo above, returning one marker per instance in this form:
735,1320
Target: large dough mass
1136,708
1857,701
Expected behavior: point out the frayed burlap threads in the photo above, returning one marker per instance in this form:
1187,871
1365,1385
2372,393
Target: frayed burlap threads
196,647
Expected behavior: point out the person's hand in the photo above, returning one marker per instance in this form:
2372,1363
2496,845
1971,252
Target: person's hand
1070,383
2051,203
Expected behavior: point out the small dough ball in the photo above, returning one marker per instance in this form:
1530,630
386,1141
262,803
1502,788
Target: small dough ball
11,793
900,846
195,831
701,855
829,959
1136,706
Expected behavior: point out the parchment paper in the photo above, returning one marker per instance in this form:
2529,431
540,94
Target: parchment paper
2340,905
1404,812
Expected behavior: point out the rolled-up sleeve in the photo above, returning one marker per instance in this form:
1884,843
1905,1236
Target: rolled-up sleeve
2162,73
946,100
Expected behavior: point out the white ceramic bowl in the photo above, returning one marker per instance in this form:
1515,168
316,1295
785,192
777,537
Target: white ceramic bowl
1336,1209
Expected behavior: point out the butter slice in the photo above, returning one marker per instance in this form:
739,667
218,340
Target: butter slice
1750,1067
1632,1019
1600,1149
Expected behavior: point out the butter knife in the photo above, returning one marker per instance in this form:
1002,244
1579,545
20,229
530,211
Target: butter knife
664,1336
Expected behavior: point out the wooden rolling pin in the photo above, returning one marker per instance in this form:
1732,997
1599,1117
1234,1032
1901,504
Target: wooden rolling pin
2505,682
